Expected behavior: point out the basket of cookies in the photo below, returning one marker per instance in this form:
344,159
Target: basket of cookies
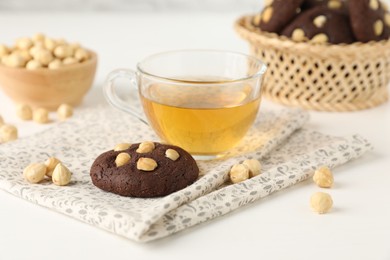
328,55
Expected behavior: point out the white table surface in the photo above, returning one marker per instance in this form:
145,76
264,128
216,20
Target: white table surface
281,226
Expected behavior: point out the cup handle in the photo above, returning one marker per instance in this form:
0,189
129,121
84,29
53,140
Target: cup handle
112,97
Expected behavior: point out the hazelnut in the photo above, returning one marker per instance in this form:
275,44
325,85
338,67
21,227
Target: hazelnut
172,154
323,177
239,173
122,147
334,4
50,44
55,64
267,14
69,61
25,54
319,21
51,163
35,172
321,202
64,111
122,159
24,43
257,19
298,35
3,50
38,37
319,38
15,60
33,65
254,167
63,51
81,55
41,116
386,18
378,27
8,133
43,56
146,164
374,4
24,112
34,50
145,147
61,175
75,46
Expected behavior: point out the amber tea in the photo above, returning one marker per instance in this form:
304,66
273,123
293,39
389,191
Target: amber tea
205,122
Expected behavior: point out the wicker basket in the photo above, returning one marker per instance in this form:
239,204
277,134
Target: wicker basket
320,77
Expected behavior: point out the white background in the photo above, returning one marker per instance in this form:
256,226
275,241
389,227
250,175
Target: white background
280,226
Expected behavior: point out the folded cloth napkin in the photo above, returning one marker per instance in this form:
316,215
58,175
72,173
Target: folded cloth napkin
288,155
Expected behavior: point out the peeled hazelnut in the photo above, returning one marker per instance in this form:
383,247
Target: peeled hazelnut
146,164
298,35
33,65
41,115
172,154
1,121
268,2
61,175
55,64
24,43
81,55
3,50
267,14
378,27
319,21
61,41
35,172
43,56
25,54
63,51
320,38
374,4
254,167
122,147
384,6
50,44
239,173
64,111
334,4
145,147
323,177
257,19
75,46
69,61
51,164
8,133
24,112
321,202
122,159
34,50
387,20
38,37
14,60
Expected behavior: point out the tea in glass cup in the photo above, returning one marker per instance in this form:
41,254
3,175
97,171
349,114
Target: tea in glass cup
202,101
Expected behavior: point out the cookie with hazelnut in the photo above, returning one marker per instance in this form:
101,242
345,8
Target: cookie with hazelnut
144,170
320,25
370,20
276,15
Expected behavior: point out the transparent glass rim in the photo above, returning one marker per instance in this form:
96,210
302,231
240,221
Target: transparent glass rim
259,73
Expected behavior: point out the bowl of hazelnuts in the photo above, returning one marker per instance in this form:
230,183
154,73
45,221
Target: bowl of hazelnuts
330,55
45,72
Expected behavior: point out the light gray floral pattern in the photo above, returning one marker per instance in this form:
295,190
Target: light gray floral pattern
288,154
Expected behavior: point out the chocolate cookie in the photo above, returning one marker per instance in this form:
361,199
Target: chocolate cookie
277,14
320,25
144,170
337,5
370,20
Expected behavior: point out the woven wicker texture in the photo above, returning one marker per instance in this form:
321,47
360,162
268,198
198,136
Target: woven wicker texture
320,77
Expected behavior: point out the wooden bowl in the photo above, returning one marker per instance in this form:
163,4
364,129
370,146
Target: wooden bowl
49,88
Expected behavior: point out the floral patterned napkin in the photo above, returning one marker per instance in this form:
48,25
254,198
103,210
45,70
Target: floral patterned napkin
288,154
